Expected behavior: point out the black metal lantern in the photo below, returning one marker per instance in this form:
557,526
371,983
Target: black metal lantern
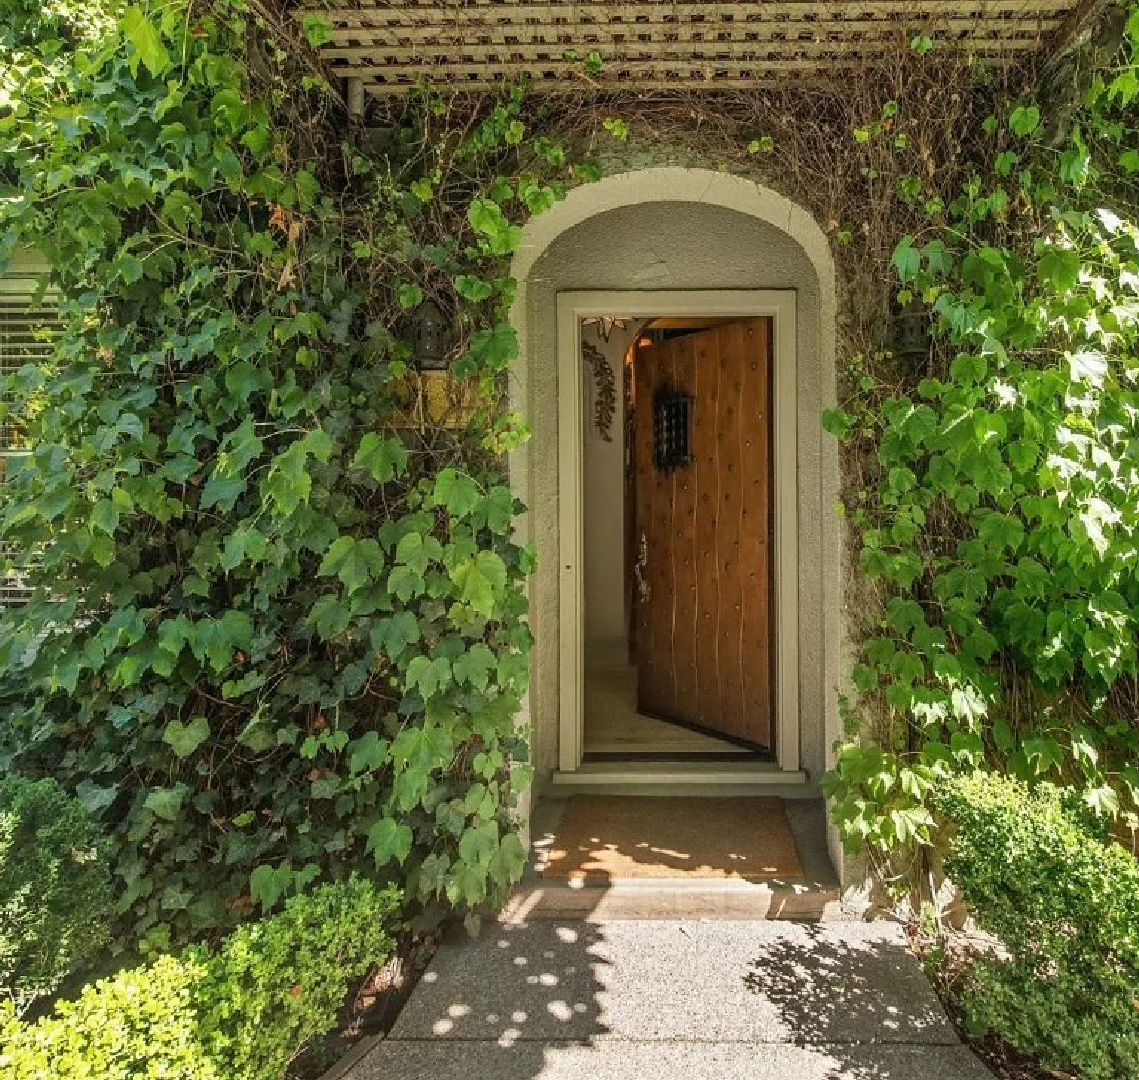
430,337
910,332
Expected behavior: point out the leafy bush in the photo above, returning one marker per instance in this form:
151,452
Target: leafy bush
55,896
240,1013
1065,905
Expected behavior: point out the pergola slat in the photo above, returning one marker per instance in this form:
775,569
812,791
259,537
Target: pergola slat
653,44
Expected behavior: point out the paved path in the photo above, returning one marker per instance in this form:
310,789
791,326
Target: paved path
654,1000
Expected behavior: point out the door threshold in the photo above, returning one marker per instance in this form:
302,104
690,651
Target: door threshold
726,777
670,757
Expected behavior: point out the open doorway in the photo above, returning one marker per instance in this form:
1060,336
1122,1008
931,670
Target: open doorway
678,544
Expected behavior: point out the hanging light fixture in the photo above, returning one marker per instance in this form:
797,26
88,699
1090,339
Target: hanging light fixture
430,337
605,324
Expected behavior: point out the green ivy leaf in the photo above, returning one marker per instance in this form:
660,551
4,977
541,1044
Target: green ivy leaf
389,839
318,30
498,236
95,797
394,634
499,507
475,666
489,351
184,739
538,198
1103,799
267,884
288,484
423,749
921,44
1024,120
474,289
457,492
257,736
384,456
480,580
105,516
428,675
354,562
244,544
367,753
906,260
409,295
166,802
147,42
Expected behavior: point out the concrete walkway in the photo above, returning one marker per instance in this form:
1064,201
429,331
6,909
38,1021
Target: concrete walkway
652,1000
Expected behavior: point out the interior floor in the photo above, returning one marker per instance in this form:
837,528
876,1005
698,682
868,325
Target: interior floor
614,727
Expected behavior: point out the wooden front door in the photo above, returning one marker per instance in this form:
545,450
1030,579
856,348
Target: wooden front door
703,533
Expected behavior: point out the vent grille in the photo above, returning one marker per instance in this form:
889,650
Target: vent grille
28,320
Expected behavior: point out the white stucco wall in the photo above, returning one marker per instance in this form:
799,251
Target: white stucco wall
603,466
683,229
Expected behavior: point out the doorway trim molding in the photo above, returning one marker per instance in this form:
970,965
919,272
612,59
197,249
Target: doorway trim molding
780,306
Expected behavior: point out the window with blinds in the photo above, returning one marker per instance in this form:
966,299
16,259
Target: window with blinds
27,321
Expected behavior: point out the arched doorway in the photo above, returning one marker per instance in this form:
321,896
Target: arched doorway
679,242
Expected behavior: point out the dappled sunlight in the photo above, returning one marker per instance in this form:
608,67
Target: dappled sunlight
598,857
701,999
847,992
645,837
512,987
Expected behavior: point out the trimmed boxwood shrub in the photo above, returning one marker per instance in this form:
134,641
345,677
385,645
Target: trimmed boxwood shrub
54,888
240,1012
1038,874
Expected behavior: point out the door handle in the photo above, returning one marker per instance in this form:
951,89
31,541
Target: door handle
639,568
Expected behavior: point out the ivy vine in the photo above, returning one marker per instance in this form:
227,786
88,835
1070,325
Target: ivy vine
998,515
276,628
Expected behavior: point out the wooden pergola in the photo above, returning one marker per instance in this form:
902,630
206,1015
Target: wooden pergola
384,46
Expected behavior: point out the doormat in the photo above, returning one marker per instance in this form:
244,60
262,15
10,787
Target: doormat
641,836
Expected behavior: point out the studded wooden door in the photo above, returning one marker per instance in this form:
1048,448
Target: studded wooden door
703,582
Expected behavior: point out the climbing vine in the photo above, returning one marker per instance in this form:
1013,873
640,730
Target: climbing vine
278,624
997,513
278,621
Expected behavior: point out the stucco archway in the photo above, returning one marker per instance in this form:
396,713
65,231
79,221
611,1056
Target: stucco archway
713,232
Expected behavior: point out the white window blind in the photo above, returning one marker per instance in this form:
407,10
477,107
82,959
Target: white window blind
27,320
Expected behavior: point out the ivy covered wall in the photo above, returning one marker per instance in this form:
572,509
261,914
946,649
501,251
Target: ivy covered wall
278,625
279,622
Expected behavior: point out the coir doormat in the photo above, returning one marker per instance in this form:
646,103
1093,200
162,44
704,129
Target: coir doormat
632,836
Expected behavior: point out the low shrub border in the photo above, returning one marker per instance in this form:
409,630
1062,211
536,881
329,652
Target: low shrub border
240,1012
1037,873
55,888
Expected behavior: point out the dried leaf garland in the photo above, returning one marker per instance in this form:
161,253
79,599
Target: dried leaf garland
605,389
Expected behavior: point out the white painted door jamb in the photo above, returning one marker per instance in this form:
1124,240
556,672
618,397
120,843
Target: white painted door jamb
572,308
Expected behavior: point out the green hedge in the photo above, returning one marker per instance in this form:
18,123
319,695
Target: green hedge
55,890
241,1012
1065,904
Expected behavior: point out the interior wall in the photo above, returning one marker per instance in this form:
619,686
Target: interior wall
687,246
603,468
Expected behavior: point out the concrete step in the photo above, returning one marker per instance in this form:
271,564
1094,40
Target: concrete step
666,898
718,778
565,1060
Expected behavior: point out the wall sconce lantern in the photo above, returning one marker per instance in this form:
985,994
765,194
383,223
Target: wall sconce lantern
430,337
910,332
